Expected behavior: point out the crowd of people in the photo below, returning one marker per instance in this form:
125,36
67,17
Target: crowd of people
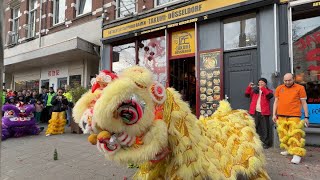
45,102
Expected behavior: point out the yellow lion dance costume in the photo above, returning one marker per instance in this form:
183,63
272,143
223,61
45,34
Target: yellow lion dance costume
141,122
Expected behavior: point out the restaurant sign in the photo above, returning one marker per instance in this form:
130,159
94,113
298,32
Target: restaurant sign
183,42
186,11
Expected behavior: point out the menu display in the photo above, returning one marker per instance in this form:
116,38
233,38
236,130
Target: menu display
209,82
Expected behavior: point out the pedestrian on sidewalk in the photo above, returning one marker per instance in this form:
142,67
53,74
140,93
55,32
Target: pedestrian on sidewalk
260,108
68,95
289,97
48,104
39,108
58,117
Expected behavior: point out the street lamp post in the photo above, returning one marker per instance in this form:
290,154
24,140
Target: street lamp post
1,59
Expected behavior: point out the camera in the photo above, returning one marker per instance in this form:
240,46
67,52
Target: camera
253,85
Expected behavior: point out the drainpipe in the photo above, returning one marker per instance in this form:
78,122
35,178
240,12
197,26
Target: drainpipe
275,39
40,23
290,38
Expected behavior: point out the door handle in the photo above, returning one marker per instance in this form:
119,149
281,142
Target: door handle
226,97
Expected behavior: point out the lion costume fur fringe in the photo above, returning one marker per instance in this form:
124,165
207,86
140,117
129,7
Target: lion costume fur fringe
168,141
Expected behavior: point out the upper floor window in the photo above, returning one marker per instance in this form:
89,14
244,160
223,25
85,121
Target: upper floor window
240,31
15,26
59,11
161,2
84,6
32,18
126,8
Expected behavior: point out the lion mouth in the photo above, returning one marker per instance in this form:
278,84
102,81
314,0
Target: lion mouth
20,119
130,110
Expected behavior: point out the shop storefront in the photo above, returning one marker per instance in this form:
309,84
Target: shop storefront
208,50
72,62
304,30
55,75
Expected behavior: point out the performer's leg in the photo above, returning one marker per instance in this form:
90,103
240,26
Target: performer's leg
296,139
282,129
52,124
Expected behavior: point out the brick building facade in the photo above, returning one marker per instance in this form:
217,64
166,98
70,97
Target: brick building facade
48,35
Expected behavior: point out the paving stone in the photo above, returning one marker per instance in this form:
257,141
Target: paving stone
31,157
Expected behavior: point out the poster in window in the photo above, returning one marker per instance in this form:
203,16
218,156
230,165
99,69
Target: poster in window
210,84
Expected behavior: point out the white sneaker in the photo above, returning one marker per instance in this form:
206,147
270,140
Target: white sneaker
48,135
284,153
296,159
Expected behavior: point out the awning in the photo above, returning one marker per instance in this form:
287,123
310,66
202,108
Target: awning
69,50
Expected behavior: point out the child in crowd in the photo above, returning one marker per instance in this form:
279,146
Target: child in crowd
39,107
11,100
20,99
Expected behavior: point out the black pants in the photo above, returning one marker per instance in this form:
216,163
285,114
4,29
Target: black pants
262,127
44,115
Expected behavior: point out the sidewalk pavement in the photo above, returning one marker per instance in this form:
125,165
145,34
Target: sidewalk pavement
280,168
31,157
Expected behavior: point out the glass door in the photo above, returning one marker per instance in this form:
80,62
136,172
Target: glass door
182,78
62,82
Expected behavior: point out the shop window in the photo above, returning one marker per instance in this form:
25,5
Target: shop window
240,31
123,57
32,85
84,6
62,82
75,80
152,55
45,83
126,8
32,18
161,2
15,26
306,52
58,11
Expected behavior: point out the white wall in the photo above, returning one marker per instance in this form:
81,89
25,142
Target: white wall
46,73
90,31
28,75
50,73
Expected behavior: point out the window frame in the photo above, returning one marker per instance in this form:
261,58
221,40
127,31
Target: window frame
33,11
118,15
15,29
78,8
233,19
167,3
55,11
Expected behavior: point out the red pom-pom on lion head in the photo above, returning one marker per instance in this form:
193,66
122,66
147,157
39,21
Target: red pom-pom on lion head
102,79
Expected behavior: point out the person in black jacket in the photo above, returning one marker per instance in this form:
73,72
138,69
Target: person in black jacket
58,117
59,102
